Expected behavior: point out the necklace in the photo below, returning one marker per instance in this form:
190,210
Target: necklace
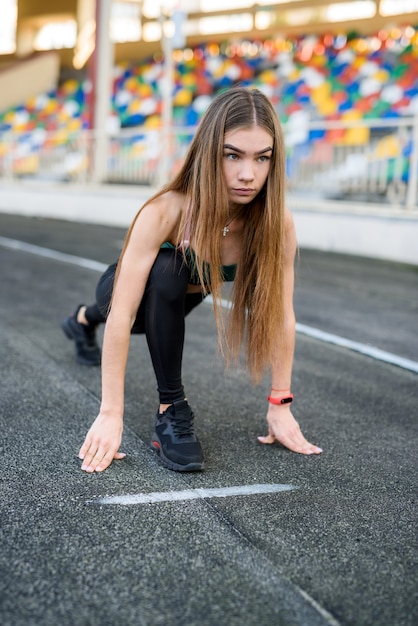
225,229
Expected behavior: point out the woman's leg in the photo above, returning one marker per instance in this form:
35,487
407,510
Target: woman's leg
165,308
82,330
82,324
92,315
164,303
104,291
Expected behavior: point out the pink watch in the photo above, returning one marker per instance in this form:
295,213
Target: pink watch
281,399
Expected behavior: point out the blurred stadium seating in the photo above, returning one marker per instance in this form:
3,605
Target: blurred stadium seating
348,102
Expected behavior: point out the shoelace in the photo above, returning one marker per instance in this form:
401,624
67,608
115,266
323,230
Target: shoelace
182,425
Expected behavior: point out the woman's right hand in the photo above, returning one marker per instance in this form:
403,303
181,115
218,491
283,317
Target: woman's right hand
101,444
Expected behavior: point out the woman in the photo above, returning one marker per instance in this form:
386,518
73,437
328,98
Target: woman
221,218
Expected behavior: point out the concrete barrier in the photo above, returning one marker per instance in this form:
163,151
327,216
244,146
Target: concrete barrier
359,229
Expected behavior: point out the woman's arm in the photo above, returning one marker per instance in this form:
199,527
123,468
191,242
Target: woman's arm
156,223
281,424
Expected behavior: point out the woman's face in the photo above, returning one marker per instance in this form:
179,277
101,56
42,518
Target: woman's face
246,163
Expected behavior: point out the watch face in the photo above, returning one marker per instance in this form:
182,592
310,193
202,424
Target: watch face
286,400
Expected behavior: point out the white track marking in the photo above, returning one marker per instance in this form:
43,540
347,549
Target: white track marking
13,244
330,619
362,348
374,353
356,346
193,494
223,492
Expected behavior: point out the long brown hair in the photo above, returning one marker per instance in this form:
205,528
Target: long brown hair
256,316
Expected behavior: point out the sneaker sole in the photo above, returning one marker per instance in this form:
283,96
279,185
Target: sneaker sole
177,467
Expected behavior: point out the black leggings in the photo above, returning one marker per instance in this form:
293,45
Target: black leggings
160,316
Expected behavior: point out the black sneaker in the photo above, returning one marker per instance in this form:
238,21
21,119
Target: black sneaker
175,441
86,348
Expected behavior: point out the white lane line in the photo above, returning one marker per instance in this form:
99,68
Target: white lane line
223,492
330,619
14,244
193,494
374,353
362,348
355,346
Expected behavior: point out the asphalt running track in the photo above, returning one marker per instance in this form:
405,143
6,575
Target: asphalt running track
263,536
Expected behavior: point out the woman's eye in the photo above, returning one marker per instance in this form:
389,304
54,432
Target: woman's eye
263,158
231,156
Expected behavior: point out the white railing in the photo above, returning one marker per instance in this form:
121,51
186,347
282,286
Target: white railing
365,160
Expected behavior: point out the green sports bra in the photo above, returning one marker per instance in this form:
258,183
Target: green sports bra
228,271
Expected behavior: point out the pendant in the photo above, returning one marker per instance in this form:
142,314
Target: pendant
225,231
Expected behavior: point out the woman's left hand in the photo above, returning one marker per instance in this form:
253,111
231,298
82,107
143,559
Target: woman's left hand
284,428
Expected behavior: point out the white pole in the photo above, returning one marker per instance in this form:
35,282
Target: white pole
411,198
103,85
167,107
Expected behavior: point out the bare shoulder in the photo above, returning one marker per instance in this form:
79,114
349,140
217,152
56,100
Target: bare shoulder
160,217
168,202
168,206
